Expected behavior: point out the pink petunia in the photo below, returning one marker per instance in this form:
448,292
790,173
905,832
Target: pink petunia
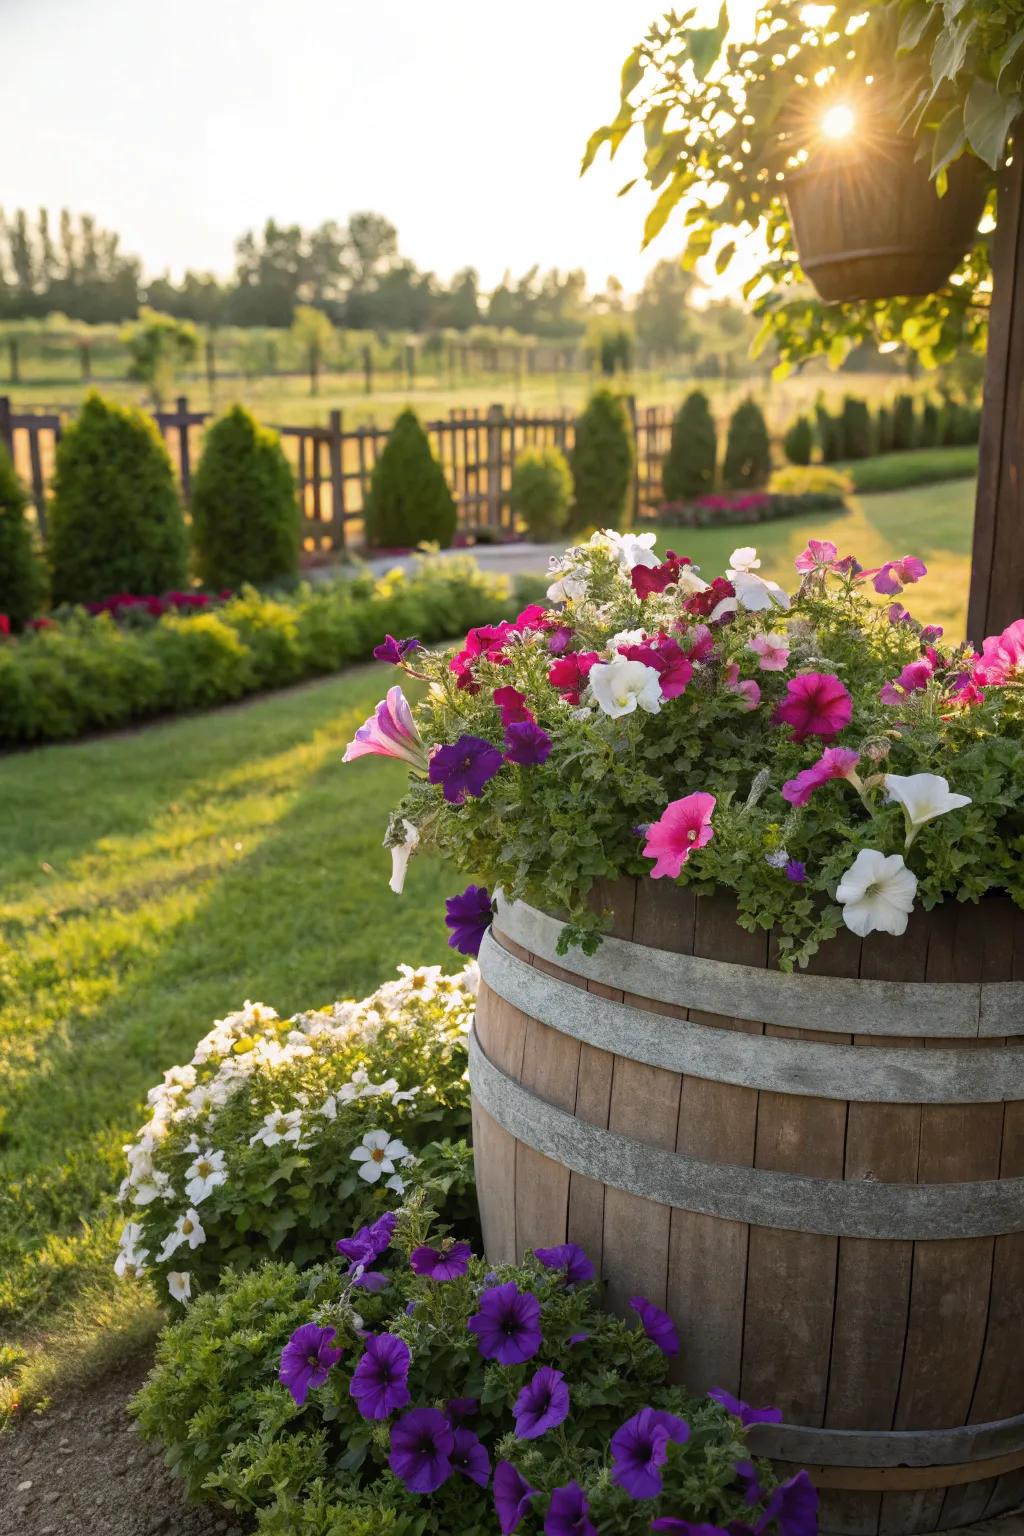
816,704
894,575
683,826
820,555
1002,656
746,688
772,651
834,763
389,732
664,655
914,678
699,643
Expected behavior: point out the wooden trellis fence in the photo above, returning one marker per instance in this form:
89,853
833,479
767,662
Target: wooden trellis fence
333,464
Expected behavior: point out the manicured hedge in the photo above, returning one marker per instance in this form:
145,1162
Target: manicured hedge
90,673
922,466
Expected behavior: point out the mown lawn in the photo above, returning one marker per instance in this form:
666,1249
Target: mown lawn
152,882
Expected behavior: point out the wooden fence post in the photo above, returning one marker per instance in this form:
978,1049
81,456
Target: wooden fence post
495,420
337,472
6,431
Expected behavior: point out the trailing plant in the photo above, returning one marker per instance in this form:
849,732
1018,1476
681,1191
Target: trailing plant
450,1397
245,519
22,575
409,501
689,467
277,1129
602,463
748,459
541,491
788,749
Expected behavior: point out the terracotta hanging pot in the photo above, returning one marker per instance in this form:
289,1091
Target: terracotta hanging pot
869,223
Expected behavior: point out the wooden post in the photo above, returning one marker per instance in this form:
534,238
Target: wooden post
183,452
12,353
368,370
6,430
495,417
335,461
997,565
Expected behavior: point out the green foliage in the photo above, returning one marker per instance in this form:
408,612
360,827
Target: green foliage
314,334
245,520
233,1433
87,674
904,423
689,467
159,346
409,501
830,437
602,464
748,460
810,480
115,520
798,443
884,430
270,1110
855,428
541,491
925,466
22,576
932,426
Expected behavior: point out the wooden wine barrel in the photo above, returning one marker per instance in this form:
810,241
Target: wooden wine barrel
820,1176
869,224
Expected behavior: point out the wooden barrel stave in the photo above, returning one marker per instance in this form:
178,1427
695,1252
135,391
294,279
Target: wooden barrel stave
863,1292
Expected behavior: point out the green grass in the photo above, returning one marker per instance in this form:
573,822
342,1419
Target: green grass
152,882
923,466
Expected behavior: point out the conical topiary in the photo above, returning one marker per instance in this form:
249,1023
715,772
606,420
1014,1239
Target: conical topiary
747,450
115,521
689,467
798,443
22,578
409,500
602,464
245,519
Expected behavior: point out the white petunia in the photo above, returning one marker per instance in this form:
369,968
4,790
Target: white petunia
744,559
626,637
179,1283
621,687
401,853
923,796
397,1183
329,1108
130,1263
757,593
187,1229
629,549
421,980
204,1175
150,1187
571,586
377,1153
279,1125
877,894
689,582
255,1015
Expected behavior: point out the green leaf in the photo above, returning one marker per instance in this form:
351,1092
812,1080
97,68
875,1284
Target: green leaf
597,138
627,187
1012,61
658,215
950,51
724,256
704,44
988,116
914,26
632,72
950,140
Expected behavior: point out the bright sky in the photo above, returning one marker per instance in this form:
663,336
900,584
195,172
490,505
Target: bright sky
180,125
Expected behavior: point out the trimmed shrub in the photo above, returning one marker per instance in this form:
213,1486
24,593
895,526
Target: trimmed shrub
931,432
22,578
689,468
883,430
830,437
747,450
541,491
409,501
602,464
115,520
925,466
855,426
904,424
810,480
798,443
245,520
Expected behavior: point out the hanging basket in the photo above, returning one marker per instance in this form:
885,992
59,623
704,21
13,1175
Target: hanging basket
870,224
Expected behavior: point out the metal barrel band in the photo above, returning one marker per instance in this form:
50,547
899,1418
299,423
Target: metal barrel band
882,1075
836,1004
880,1449
733,1192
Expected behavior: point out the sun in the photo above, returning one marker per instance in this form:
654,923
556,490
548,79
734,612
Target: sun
838,122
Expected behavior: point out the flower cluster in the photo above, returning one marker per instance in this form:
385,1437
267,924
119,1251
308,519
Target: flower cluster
125,604
791,748
277,1125
468,1398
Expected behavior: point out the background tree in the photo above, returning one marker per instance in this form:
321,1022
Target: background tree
748,461
689,467
409,501
602,464
664,322
314,334
159,347
541,491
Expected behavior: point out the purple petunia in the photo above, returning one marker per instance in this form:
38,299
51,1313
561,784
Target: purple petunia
743,1411
380,1381
658,1326
568,1513
421,1446
469,1457
640,1450
367,1245
464,768
795,871
749,1480
793,1505
306,1360
507,1325
431,1264
512,1496
459,1408
396,651
526,744
543,1404
570,1257
469,917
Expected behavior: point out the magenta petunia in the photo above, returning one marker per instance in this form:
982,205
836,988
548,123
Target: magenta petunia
487,641
512,1496
542,1404
666,657
464,768
569,1257
657,1325
432,1264
527,744
421,1446
469,1457
512,705
834,763
744,687
379,1382
816,704
569,1513
396,651
389,732
507,1326
1002,656
468,915
569,674
891,578
640,1450
914,678
306,1360
743,1411
682,826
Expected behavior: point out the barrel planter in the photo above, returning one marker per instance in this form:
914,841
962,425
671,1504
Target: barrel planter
869,224
819,1175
